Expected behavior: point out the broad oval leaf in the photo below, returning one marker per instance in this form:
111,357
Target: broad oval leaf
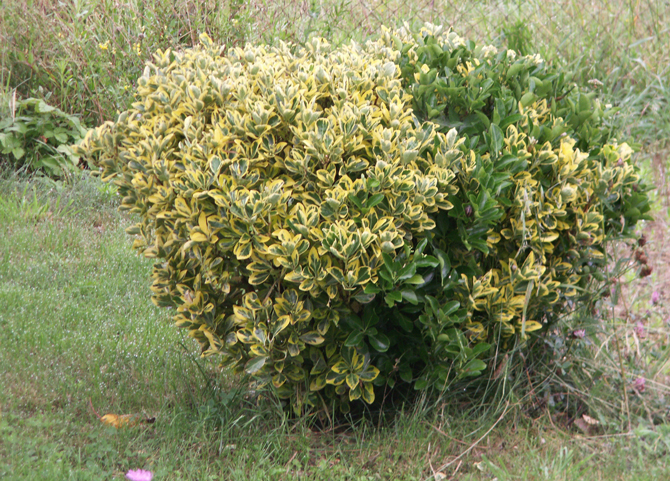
255,364
379,342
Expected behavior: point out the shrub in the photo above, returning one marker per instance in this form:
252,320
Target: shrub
317,234
543,186
37,136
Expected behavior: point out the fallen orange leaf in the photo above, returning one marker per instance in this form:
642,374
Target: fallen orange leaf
120,420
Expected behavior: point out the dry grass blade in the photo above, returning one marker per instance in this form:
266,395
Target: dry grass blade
474,445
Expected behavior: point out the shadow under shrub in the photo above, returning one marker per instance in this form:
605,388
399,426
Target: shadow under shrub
316,231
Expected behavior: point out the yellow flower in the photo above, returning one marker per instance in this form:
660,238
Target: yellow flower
104,46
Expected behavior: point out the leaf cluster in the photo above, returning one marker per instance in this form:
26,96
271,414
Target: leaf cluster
37,136
272,183
542,186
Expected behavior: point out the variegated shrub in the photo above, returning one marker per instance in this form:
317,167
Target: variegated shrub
331,220
271,183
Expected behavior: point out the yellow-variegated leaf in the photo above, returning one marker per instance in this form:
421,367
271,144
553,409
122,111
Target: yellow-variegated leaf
532,326
340,367
198,237
317,383
352,381
368,392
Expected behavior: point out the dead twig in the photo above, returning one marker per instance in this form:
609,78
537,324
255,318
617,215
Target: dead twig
449,437
473,445
288,463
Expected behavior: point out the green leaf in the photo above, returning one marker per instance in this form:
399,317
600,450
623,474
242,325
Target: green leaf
417,279
451,307
389,264
480,348
421,384
409,296
528,98
255,364
374,200
355,322
357,202
379,342
514,69
406,373
395,296
354,339
313,338
496,138
404,322
420,247
370,318
445,263
512,119
18,153
427,261
473,368
407,272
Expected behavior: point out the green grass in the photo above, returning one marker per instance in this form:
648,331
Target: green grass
77,328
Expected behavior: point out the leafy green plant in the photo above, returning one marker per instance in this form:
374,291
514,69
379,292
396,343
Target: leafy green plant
324,237
36,136
543,187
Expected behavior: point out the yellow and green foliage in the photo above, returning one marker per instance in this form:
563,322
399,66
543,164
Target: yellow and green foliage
270,182
331,220
542,186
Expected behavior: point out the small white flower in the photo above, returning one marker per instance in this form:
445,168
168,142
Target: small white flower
489,51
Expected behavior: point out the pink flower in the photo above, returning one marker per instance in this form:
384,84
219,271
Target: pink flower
139,475
639,384
655,297
639,329
579,333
